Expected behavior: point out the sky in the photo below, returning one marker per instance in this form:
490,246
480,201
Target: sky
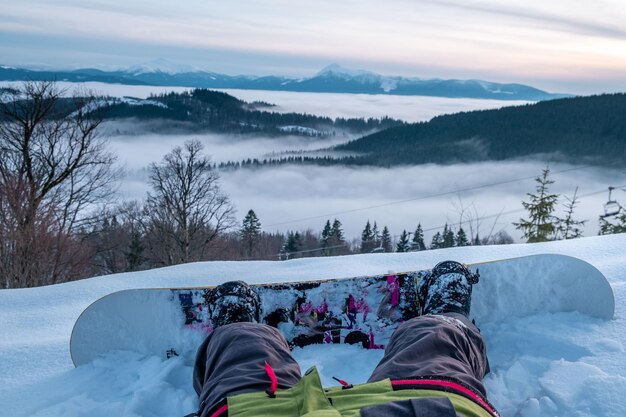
572,46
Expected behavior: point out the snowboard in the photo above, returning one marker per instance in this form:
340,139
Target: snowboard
359,310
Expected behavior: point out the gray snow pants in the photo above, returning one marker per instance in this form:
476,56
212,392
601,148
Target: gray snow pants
231,361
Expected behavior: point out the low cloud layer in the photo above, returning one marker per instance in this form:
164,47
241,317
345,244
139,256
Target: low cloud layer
299,197
408,108
296,197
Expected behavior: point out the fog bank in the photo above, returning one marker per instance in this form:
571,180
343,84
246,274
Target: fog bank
297,197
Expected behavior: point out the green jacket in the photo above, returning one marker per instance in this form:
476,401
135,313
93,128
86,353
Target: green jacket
309,399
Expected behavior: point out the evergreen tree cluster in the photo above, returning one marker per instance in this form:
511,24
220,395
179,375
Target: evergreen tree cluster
448,238
286,160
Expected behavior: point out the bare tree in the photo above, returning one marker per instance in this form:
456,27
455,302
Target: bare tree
53,169
568,227
187,209
500,238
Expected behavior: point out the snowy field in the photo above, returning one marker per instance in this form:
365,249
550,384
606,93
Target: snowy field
563,364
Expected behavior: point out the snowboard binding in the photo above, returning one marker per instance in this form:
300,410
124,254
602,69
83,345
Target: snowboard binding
233,302
447,289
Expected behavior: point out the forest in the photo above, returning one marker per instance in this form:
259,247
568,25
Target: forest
209,110
580,130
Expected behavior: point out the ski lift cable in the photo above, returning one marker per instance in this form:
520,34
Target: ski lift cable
490,216
424,197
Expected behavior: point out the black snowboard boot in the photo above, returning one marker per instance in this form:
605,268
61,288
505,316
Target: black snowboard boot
233,302
447,289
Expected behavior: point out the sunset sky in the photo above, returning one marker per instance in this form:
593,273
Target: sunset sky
572,46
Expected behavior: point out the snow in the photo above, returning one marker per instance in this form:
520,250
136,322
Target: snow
160,66
132,101
339,71
548,364
389,83
300,129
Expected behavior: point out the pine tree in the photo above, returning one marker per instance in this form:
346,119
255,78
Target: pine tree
134,256
461,238
325,238
376,235
367,239
437,241
385,240
568,228
294,243
541,225
476,241
448,237
250,233
608,228
418,238
403,244
333,239
337,232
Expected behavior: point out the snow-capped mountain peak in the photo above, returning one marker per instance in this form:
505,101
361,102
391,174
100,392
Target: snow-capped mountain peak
338,70
160,65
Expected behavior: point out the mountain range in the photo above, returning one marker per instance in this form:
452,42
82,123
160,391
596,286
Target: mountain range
331,79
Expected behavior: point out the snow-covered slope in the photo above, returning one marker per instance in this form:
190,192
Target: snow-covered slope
563,364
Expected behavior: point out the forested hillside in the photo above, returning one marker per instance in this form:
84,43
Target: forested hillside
217,111
582,129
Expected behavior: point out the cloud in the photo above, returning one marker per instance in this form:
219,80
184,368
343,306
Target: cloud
221,147
300,197
555,19
530,42
408,108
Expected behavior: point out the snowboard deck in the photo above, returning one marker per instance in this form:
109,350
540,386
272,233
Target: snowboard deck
359,310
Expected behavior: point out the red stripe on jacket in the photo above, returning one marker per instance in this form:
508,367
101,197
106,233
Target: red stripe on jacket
450,385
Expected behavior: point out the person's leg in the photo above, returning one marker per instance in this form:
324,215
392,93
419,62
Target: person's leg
445,346
232,360
441,343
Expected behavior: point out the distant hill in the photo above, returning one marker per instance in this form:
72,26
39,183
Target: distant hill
21,74
332,79
581,129
207,110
